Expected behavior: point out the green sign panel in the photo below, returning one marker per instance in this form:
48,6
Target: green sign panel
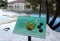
31,26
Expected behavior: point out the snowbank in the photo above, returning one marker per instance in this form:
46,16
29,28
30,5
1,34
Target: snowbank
11,16
7,21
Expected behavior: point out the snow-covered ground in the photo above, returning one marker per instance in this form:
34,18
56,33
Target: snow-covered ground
9,36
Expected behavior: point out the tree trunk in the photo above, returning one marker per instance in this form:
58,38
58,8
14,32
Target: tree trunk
52,21
56,26
55,16
47,11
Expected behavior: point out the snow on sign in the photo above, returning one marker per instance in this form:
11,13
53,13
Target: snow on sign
31,26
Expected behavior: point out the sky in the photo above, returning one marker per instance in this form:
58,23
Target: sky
10,0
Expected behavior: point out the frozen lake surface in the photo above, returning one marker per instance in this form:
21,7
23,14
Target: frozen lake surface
9,36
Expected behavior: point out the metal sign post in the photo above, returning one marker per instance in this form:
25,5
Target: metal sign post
29,38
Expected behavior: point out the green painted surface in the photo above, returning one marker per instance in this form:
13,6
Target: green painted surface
28,26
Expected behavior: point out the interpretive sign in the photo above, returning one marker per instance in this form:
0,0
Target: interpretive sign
31,26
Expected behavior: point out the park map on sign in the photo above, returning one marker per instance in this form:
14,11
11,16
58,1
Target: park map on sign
31,26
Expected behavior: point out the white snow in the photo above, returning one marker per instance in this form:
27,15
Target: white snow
9,36
7,16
